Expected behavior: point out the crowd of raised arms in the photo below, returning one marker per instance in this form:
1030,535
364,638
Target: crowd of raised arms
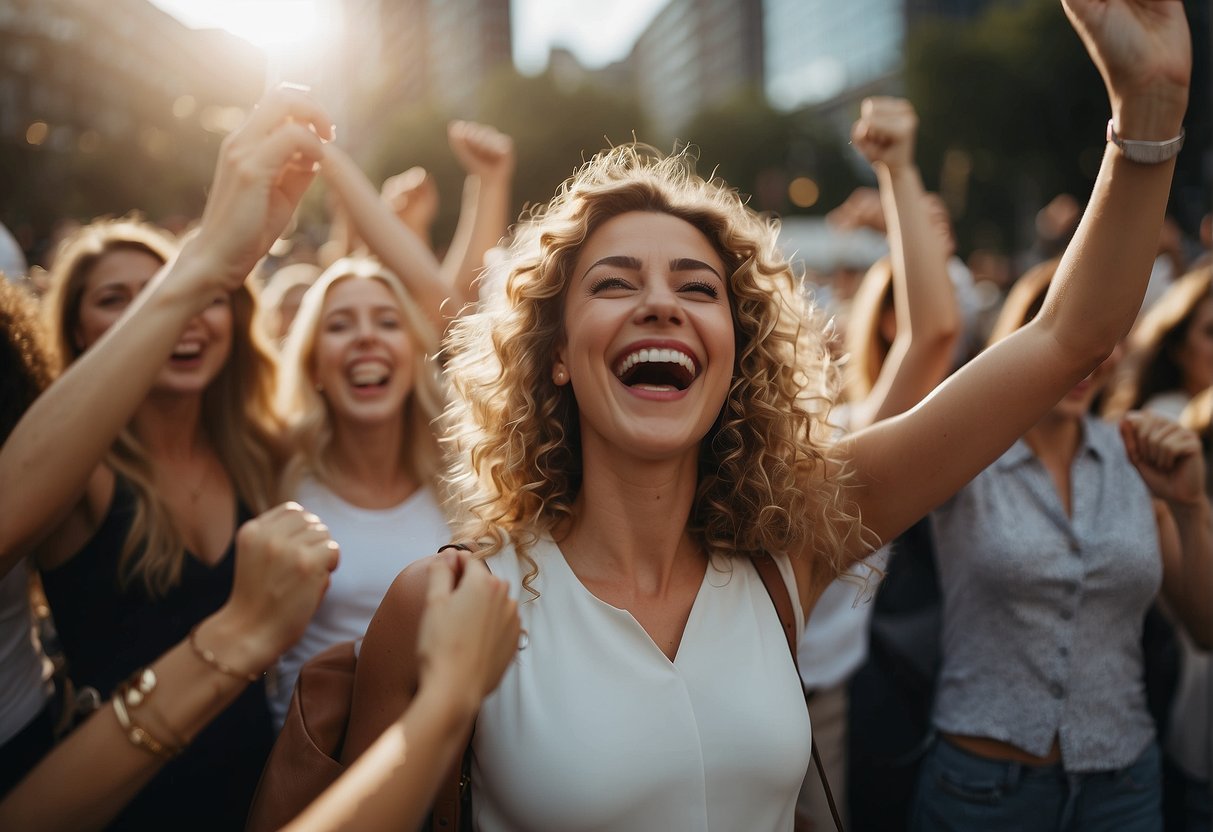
604,496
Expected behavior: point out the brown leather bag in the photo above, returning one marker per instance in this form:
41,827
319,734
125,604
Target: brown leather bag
306,758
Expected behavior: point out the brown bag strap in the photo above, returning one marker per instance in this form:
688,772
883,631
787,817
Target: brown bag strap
768,571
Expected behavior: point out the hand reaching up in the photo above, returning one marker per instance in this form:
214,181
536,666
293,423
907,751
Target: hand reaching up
413,198
1144,52
263,170
482,150
1167,456
885,131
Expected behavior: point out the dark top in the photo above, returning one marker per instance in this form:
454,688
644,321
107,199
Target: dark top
107,632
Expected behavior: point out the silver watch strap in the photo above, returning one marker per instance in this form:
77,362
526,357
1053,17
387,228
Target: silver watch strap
1147,153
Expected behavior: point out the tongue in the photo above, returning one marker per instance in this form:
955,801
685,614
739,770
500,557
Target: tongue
657,376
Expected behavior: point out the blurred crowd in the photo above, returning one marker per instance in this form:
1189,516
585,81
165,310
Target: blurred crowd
202,494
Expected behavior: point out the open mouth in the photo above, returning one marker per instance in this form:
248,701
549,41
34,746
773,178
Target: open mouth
368,376
184,352
657,369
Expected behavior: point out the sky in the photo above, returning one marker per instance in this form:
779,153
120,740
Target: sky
596,31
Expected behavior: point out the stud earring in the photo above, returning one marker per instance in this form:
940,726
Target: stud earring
560,376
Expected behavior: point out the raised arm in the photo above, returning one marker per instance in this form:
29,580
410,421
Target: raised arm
284,558
389,239
909,464
928,320
1170,460
487,156
55,450
468,635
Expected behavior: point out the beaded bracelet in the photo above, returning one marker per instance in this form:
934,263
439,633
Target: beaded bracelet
133,693
208,657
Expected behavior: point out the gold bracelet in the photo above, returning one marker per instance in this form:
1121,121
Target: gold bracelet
137,691
211,659
136,733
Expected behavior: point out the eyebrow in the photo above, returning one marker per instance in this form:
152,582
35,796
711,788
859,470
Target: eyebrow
682,264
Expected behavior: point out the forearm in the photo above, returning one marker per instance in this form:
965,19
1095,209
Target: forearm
393,783
1192,594
928,319
483,219
396,246
46,462
103,767
1096,294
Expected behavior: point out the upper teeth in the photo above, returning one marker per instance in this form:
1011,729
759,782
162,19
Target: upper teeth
368,374
188,349
657,356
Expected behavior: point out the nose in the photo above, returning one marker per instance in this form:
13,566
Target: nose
365,331
659,304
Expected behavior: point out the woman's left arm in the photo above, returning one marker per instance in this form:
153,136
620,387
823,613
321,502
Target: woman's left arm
907,465
1169,459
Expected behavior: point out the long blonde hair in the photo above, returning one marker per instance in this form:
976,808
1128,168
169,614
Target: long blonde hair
237,407
307,411
768,477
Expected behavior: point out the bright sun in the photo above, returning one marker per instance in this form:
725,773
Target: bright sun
270,24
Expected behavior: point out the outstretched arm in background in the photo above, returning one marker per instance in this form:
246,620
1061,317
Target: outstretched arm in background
487,156
283,562
928,320
469,633
389,239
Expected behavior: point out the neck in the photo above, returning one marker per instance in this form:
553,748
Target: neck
170,426
1055,438
630,518
365,461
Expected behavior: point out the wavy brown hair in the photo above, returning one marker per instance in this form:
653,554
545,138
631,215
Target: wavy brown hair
237,407
25,364
1151,366
769,479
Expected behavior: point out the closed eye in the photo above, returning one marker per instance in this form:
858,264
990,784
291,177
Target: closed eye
606,284
701,287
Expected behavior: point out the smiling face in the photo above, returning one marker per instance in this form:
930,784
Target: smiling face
363,356
111,286
648,343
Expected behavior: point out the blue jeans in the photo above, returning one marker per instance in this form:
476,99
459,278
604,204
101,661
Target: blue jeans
962,791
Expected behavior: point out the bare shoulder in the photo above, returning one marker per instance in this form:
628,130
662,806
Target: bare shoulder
387,674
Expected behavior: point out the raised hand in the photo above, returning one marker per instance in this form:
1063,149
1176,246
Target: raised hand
470,628
482,150
885,131
263,170
862,209
1144,52
413,198
1167,456
283,561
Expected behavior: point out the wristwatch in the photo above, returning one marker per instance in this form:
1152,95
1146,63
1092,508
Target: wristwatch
1147,153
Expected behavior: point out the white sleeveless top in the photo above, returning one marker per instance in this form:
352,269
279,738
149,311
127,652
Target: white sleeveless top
593,727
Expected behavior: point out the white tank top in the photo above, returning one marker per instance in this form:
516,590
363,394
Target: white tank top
593,727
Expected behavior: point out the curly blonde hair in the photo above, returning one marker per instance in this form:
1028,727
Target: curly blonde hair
237,407
307,410
769,479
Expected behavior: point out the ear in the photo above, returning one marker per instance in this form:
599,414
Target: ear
560,370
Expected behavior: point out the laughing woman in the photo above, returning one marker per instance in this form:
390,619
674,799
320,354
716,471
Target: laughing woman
643,415
360,383
128,477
